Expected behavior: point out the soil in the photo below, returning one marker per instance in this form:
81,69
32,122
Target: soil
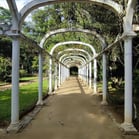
73,112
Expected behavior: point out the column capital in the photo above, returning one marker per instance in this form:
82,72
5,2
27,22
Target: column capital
13,33
129,34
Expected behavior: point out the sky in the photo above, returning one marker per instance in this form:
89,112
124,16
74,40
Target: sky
20,3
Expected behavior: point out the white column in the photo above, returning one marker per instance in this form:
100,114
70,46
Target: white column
14,126
95,76
56,76
104,97
90,75
59,75
128,104
87,74
50,75
129,34
40,95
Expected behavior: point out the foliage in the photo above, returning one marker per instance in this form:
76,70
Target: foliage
5,69
72,15
5,16
136,82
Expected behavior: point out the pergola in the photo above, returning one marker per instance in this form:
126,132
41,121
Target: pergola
15,33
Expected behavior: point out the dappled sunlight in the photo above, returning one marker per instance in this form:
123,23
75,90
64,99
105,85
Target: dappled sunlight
73,86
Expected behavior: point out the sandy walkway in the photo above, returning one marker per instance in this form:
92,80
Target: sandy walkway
73,113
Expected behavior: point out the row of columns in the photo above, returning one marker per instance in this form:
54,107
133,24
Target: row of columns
83,71
61,73
128,103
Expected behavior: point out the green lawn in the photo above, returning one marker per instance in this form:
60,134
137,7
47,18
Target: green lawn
28,97
25,79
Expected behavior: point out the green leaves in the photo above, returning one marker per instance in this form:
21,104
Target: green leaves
5,17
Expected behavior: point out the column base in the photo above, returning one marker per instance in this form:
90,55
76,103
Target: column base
14,128
39,103
104,103
55,88
128,128
51,93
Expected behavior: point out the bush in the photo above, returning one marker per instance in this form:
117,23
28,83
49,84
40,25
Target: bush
5,69
136,81
23,73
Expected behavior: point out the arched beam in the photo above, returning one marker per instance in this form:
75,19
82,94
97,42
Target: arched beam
73,42
64,30
128,19
74,50
128,125
89,73
75,61
73,56
109,4
85,44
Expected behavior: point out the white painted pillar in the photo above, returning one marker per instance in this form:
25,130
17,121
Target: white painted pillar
104,97
84,71
79,72
128,80
87,73
56,82
128,104
95,76
14,126
129,34
90,74
50,75
40,95
64,73
59,75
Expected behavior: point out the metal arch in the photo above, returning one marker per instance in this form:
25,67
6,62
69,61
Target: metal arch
13,8
72,54
77,56
128,19
73,42
65,55
75,49
115,7
63,30
75,59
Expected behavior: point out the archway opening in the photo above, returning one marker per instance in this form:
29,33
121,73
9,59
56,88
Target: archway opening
73,71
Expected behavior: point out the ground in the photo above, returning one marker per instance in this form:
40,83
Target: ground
73,112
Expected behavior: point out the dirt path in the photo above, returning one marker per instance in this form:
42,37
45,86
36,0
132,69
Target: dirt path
72,113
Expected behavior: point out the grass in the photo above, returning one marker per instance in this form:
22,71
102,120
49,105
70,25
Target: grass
25,79
28,97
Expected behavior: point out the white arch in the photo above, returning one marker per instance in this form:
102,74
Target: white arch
75,49
76,42
60,59
74,60
90,64
115,7
72,42
67,56
63,30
